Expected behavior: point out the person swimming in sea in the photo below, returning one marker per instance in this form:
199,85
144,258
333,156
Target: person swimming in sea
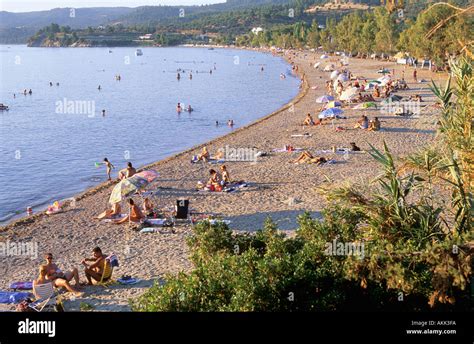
179,108
190,76
189,109
217,123
30,92
178,76
50,83
103,113
99,88
230,122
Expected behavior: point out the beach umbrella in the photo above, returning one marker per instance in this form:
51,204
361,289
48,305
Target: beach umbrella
127,187
365,106
331,113
149,175
324,99
334,74
343,78
384,79
349,93
333,104
324,57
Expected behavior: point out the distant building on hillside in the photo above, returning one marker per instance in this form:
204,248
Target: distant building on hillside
146,37
257,30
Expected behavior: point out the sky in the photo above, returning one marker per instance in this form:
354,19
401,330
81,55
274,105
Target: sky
40,5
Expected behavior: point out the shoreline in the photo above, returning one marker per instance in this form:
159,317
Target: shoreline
18,220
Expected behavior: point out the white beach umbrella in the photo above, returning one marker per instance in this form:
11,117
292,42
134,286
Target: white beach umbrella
334,74
324,57
349,93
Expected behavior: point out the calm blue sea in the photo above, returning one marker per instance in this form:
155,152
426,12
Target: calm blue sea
50,140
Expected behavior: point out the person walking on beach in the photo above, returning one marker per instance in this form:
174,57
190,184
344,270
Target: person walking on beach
414,75
109,166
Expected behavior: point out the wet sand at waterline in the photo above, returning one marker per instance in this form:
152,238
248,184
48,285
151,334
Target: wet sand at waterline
274,180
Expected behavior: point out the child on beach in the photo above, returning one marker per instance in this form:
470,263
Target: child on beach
109,166
225,175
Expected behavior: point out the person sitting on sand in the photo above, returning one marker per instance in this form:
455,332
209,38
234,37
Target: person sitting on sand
214,180
362,123
96,269
59,278
204,156
416,98
374,125
309,120
115,211
307,157
376,93
135,214
127,172
225,175
148,207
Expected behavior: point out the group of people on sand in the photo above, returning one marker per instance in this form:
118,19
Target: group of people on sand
364,123
217,181
136,213
49,272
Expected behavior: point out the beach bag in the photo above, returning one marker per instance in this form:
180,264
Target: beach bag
24,306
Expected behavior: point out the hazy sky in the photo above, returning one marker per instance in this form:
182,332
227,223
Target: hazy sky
39,5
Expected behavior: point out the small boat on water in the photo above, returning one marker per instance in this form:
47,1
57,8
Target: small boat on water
138,52
3,107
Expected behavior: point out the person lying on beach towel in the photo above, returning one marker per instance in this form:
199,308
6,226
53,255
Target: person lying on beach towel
58,277
135,215
307,157
112,213
204,156
96,269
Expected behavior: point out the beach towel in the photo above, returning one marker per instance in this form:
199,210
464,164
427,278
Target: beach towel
21,285
149,230
155,222
302,135
128,281
14,296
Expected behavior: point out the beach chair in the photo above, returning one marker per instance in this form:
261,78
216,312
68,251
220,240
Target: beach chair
47,298
106,278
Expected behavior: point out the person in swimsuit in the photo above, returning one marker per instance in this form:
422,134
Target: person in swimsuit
225,175
204,156
96,269
127,172
148,207
135,215
109,166
307,157
59,278
309,120
111,213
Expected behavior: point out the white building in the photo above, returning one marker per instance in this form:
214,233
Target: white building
257,30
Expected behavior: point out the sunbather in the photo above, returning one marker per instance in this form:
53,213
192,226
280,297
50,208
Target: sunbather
307,157
214,180
135,214
96,269
148,207
225,175
111,213
354,147
374,125
362,123
61,279
42,279
204,156
309,120
127,172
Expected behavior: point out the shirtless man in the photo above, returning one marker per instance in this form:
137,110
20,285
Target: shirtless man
309,120
96,269
127,172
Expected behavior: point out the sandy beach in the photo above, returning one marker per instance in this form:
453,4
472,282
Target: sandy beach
277,187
